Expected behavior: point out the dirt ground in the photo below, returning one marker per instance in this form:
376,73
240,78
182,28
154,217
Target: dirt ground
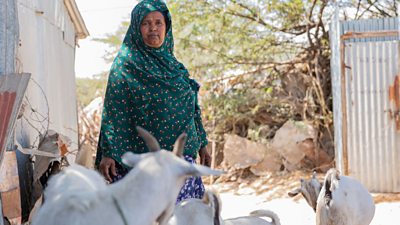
242,193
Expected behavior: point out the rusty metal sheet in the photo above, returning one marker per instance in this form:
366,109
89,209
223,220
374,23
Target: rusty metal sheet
371,26
9,188
7,100
12,90
12,206
9,172
394,98
365,68
372,103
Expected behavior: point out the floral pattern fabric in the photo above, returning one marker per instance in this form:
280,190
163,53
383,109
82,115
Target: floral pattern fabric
193,187
149,87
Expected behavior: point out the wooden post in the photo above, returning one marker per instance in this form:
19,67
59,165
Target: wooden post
213,153
213,146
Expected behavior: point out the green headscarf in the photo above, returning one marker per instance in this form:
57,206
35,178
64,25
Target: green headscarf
149,87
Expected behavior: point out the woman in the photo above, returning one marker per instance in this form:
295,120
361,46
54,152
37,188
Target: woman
149,87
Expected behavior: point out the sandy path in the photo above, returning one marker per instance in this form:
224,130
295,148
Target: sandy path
298,212
247,193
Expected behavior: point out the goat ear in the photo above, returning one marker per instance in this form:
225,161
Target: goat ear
199,170
215,203
333,174
331,180
131,159
150,140
337,174
179,145
294,192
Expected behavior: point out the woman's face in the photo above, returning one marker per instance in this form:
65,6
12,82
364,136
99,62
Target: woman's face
153,29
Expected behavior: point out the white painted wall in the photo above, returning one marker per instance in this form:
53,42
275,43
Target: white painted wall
47,51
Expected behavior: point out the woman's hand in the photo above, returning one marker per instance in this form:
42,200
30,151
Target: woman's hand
205,158
106,166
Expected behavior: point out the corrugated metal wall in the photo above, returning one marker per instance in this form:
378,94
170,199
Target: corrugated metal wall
385,24
8,44
8,36
366,76
45,44
373,140
47,51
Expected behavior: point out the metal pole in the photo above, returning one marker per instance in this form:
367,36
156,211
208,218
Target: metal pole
1,213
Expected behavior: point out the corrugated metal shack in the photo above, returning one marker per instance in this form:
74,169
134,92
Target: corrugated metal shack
366,95
39,38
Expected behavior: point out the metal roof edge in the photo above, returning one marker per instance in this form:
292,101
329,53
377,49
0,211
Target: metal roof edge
76,17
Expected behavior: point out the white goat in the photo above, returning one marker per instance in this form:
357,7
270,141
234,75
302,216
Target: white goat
343,201
207,212
255,219
146,195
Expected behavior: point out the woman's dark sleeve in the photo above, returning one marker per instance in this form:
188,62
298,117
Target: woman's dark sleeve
200,128
116,125
197,116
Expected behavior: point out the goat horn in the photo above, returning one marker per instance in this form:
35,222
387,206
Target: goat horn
314,175
150,140
179,145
